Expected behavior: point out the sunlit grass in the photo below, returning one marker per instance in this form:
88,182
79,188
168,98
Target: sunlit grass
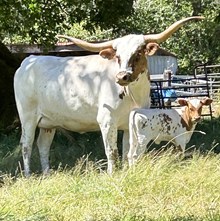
159,187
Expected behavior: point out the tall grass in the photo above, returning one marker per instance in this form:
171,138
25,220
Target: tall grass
160,187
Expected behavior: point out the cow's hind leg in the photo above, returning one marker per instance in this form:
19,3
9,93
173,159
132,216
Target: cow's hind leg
44,141
26,142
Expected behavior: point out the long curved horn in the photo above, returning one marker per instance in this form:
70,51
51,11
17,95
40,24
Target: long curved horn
94,47
169,31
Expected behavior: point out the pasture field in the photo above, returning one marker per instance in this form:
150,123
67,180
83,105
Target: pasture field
163,186
160,187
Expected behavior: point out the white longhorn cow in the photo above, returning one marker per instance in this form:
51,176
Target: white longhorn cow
86,93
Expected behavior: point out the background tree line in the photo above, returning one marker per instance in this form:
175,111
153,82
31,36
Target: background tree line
38,21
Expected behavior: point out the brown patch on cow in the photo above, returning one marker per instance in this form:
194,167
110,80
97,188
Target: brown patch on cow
108,53
186,118
191,115
138,62
186,123
165,119
151,48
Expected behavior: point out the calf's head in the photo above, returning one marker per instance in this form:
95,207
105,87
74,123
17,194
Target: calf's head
193,109
130,50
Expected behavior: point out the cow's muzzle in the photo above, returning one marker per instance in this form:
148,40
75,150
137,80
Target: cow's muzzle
123,78
196,119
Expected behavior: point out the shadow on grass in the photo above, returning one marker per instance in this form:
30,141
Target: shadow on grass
68,147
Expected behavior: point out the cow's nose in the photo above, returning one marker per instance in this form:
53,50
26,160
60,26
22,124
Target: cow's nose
123,78
126,77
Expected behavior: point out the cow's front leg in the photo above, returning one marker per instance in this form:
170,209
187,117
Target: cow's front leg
109,135
44,141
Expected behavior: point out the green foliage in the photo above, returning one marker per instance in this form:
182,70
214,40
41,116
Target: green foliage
39,21
195,42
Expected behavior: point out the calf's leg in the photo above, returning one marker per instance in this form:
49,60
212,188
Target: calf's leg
132,154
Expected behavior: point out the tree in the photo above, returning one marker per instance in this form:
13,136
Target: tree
196,42
41,20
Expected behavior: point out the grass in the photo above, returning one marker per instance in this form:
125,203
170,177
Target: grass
159,187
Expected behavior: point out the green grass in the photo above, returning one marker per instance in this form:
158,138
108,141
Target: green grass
159,187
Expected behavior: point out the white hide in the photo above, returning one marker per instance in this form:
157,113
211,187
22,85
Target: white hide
79,94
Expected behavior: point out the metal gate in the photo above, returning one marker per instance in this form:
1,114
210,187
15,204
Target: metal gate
203,83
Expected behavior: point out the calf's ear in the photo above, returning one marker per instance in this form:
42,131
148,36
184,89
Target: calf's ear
108,53
151,48
182,102
206,101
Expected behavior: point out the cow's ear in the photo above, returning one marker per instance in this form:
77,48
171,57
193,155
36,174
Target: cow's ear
108,53
182,102
206,101
151,48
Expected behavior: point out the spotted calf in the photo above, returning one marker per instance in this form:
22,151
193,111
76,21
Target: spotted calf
176,125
